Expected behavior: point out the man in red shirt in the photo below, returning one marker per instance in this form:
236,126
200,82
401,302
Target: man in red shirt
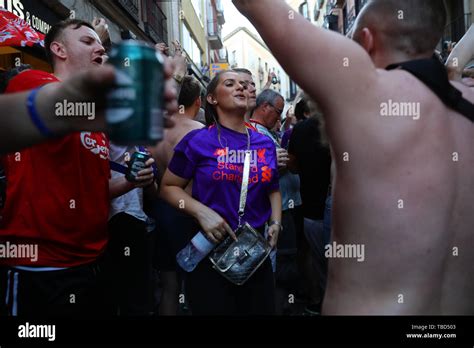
54,225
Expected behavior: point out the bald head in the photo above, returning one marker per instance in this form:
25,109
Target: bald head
412,27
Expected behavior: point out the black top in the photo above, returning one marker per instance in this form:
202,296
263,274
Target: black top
314,162
435,76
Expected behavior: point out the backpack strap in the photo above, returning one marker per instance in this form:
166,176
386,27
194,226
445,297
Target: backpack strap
435,76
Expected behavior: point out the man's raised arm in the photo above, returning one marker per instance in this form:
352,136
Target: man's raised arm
326,65
461,55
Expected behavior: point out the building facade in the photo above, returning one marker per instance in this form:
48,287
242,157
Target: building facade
40,16
247,50
341,14
195,23
460,18
200,24
312,10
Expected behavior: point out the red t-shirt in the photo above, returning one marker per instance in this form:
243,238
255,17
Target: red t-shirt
57,194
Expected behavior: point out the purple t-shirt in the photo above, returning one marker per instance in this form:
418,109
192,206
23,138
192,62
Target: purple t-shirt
217,172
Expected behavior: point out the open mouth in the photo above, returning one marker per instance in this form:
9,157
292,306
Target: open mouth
98,60
241,96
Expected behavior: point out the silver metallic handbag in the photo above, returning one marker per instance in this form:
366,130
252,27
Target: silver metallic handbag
238,260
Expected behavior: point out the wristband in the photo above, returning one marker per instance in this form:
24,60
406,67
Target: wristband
34,116
278,223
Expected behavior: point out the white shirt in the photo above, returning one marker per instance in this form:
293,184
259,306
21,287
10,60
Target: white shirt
131,202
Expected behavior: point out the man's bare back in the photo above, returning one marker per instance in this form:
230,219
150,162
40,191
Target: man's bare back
406,194
404,184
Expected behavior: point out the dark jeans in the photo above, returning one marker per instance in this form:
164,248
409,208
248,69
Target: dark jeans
128,267
316,238
175,230
209,293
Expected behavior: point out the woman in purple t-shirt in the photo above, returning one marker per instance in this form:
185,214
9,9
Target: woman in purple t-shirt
213,159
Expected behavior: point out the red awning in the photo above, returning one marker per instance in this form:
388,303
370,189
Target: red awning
14,31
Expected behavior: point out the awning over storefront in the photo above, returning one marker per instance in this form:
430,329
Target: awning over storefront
14,31
20,44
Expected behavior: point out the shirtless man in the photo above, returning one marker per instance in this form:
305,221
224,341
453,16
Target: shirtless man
189,102
404,185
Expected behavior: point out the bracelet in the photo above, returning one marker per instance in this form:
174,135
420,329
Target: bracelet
34,116
278,223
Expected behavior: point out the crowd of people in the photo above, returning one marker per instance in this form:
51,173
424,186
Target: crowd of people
329,171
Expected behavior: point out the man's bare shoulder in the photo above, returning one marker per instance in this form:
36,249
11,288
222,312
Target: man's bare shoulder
400,114
403,83
192,124
400,82
182,127
390,108
389,88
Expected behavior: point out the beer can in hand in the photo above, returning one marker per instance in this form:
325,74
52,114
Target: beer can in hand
134,113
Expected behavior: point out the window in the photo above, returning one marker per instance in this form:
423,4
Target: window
317,9
197,4
293,90
233,59
260,71
303,9
190,45
131,6
317,13
186,40
252,62
360,4
333,22
196,55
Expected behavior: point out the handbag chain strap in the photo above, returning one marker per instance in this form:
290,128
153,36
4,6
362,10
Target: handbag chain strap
245,182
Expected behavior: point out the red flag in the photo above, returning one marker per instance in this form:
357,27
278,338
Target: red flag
14,31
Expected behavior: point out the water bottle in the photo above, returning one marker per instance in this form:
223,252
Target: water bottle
194,252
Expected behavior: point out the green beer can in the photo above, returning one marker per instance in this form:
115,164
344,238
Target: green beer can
134,113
